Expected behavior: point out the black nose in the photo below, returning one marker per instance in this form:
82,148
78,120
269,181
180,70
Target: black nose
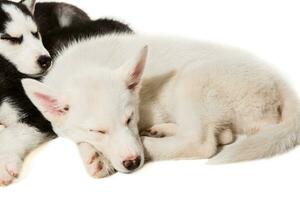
132,164
44,62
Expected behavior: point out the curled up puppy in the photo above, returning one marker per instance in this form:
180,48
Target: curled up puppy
197,95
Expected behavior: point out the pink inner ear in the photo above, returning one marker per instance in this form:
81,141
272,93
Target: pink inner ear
50,104
132,86
135,77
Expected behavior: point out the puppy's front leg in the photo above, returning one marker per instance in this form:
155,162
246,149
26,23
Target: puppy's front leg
95,163
16,142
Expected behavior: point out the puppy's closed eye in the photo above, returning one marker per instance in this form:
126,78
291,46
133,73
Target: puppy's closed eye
13,40
101,131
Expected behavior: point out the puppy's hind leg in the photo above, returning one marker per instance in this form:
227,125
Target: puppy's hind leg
161,130
200,118
15,142
183,145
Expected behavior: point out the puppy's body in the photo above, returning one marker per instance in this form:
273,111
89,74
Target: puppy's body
61,24
58,39
201,70
197,94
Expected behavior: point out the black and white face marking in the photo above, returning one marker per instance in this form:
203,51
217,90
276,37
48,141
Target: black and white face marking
20,41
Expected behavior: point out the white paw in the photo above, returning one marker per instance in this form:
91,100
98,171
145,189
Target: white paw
226,137
161,130
153,132
98,166
9,169
95,163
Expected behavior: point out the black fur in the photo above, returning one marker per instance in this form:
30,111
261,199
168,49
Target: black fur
57,39
11,90
46,15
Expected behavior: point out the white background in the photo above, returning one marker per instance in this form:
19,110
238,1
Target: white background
268,28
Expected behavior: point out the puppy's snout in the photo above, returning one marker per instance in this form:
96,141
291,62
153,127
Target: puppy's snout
44,62
132,163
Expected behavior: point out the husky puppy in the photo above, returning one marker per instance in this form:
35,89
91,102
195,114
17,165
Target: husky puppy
22,55
196,94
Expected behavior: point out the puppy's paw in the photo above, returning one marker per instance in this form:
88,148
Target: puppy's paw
161,130
152,132
226,137
98,166
10,166
95,163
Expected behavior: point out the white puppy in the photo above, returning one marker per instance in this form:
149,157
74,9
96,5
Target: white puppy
196,94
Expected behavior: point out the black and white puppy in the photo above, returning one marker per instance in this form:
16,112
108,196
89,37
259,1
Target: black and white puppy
22,55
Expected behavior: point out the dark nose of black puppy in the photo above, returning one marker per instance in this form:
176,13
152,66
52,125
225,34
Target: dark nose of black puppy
44,62
132,164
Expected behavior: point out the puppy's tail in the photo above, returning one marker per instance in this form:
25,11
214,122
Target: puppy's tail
272,140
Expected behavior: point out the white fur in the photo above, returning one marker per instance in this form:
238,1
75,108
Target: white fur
16,140
8,114
30,4
65,15
65,20
25,55
208,92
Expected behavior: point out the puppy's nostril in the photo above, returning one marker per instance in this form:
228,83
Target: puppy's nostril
44,62
132,164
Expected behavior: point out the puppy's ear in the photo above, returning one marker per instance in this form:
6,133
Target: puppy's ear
30,4
48,102
131,72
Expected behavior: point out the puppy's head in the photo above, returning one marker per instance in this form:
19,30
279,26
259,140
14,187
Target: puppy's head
20,41
99,107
